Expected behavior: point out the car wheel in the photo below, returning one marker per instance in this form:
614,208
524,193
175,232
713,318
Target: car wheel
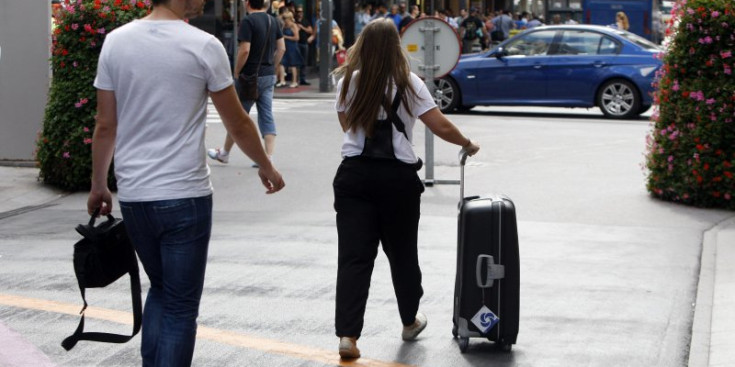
446,95
644,108
619,99
465,108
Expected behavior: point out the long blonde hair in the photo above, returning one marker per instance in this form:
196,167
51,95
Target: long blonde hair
622,21
378,56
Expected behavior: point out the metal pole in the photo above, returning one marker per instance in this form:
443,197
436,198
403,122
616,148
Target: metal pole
429,68
325,47
233,11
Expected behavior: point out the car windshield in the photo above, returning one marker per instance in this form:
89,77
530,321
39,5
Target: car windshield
638,40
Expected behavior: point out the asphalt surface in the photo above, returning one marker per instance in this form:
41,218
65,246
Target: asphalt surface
609,276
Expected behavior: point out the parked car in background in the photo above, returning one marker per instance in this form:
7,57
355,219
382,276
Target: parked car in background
558,66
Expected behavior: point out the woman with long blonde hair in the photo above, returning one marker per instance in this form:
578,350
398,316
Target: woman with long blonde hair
621,21
377,191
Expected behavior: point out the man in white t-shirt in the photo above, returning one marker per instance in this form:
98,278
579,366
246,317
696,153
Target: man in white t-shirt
153,79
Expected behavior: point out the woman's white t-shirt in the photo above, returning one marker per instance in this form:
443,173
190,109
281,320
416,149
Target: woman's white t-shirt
354,141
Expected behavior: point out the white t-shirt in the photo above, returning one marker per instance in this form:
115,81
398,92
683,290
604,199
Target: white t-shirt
161,73
354,141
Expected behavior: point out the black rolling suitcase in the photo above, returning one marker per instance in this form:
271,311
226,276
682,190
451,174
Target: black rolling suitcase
486,291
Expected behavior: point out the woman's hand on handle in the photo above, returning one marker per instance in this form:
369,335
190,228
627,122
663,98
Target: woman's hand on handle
471,148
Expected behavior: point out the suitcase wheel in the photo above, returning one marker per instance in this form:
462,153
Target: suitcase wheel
502,345
463,344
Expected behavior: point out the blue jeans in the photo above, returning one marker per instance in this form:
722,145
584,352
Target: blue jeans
264,104
171,238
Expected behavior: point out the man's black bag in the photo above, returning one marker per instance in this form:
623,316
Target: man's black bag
103,256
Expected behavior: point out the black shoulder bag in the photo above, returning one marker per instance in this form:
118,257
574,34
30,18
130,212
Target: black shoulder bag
103,256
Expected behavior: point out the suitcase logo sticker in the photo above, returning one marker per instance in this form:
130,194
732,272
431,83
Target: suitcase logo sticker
485,319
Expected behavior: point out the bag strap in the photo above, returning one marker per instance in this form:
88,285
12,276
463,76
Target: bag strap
265,46
393,113
135,291
79,333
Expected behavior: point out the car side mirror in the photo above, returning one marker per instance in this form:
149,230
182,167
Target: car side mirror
500,53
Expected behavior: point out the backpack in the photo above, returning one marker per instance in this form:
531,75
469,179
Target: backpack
470,32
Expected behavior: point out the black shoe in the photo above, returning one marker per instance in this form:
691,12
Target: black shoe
304,83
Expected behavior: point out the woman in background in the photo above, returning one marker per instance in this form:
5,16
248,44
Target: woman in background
621,21
292,60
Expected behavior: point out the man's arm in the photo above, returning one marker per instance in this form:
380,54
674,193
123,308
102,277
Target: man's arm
242,130
243,51
280,50
103,148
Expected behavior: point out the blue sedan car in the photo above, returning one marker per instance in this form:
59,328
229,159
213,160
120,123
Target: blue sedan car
558,66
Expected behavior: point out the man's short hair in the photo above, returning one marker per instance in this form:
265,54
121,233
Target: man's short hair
257,4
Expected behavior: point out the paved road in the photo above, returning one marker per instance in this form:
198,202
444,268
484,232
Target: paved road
608,274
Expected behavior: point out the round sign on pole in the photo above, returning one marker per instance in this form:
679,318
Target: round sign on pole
447,46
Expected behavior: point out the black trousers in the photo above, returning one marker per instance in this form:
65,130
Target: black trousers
377,201
304,50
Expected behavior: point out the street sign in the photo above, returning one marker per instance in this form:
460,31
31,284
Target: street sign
433,48
447,46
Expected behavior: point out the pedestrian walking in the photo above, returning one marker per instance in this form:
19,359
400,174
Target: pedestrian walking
152,120
376,189
471,30
306,37
259,33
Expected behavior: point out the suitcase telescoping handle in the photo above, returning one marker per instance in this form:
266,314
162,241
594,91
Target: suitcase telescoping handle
462,159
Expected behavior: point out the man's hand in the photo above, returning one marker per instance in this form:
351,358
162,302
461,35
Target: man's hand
99,198
271,179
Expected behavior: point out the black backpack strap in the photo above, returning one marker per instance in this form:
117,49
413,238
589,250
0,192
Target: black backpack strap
79,333
393,114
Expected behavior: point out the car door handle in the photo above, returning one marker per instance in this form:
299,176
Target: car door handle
598,64
537,66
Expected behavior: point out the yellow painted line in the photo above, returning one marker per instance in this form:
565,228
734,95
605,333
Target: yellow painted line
206,333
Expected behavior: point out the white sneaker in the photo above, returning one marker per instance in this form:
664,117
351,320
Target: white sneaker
412,331
348,348
217,155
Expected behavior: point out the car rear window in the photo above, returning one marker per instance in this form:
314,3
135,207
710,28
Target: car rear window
638,40
579,42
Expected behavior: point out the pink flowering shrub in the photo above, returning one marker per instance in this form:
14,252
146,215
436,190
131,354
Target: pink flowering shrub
691,148
64,145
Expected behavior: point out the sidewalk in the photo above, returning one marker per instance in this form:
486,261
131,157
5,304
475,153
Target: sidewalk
304,91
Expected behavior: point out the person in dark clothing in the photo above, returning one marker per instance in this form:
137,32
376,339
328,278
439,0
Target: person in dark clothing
471,30
258,52
409,18
306,37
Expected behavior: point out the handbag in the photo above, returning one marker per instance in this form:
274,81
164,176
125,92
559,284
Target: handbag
497,35
248,90
100,258
341,56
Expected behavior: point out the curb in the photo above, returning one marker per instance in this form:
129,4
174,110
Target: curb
699,350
